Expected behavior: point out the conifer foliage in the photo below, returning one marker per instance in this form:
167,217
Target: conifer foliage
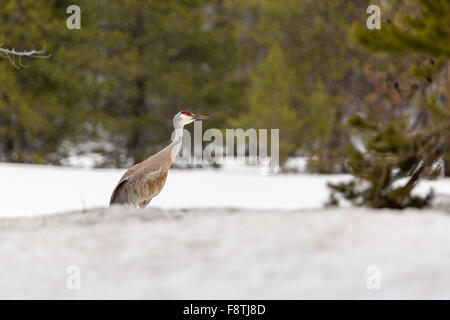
396,156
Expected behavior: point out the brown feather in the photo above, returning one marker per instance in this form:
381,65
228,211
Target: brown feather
144,180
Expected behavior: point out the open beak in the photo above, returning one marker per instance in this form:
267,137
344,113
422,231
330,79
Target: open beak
199,117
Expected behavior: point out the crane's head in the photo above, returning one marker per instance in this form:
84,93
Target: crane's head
184,117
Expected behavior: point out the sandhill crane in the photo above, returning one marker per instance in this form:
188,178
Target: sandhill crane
143,181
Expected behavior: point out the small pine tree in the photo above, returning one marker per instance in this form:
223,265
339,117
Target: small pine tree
397,155
270,102
392,164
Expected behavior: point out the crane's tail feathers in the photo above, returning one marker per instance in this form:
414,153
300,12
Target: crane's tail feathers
119,195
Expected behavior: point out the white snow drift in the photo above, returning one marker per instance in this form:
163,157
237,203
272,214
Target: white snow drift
209,254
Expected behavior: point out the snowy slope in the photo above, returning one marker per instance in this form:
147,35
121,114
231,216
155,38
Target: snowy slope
212,254
28,190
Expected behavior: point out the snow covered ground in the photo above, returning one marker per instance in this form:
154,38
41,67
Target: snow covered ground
229,233
30,190
218,253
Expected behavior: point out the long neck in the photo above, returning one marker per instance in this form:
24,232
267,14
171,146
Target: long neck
169,153
176,144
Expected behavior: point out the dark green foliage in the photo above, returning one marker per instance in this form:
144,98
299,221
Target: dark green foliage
113,86
37,110
426,32
306,76
398,155
392,164
119,80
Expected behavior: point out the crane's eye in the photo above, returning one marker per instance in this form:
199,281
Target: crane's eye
186,112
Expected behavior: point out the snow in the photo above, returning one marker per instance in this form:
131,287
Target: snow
232,233
227,254
30,190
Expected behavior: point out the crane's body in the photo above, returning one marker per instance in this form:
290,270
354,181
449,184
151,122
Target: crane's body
145,180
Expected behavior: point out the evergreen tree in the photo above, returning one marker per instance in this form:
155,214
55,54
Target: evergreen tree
118,81
320,72
401,153
270,101
157,57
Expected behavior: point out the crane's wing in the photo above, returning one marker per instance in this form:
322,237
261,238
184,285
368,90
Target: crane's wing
139,186
150,182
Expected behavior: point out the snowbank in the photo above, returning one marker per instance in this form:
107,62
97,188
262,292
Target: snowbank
30,190
230,254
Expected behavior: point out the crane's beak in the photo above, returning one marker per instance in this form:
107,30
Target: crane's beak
199,117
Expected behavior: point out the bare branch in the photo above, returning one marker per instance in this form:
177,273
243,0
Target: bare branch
12,54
